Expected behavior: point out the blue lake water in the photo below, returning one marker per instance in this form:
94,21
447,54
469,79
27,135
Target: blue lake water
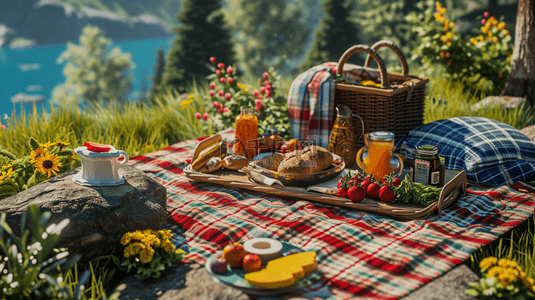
34,72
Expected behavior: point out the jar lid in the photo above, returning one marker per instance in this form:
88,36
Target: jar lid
382,135
427,150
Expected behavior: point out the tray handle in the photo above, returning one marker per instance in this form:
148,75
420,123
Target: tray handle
371,53
451,191
391,45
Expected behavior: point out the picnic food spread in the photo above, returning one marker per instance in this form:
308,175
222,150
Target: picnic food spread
268,269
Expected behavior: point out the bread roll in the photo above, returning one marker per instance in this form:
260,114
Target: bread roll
271,161
311,159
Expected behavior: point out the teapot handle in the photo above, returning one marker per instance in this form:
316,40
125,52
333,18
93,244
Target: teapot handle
125,156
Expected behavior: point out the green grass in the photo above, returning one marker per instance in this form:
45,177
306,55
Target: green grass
456,102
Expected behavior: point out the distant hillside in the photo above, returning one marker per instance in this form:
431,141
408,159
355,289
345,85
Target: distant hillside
45,22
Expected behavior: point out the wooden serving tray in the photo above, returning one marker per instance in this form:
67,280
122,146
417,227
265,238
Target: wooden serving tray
455,186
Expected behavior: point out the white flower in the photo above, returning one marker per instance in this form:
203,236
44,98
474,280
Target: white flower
44,236
9,278
14,285
41,276
60,279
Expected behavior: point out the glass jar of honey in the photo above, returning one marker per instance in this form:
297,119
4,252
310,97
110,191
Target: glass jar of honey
246,133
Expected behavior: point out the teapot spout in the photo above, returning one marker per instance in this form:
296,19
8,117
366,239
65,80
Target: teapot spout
343,111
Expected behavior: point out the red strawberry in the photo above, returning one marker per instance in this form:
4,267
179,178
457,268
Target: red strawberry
386,194
373,190
342,192
356,193
396,182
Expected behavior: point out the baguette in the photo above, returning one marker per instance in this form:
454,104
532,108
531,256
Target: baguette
311,159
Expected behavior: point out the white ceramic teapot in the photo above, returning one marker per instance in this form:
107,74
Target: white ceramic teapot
100,168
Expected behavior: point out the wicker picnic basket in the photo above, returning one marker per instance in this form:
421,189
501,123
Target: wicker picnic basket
397,106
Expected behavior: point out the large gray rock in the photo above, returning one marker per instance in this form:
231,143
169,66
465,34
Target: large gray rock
529,132
502,101
449,286
186,281
98,216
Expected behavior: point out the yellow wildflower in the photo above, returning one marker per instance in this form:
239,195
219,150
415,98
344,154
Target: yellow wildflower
481,38
506,32
473,41
184,103
494,21
449,43
136,248
125,239
137,235
439,18
495,39
438,6
444,38
452,25
489,35
191,96
494,272
488,262
508,60
446,26
441,54
145,255
48,163
501,26
448,35
151,240
507,263
37,153
484,29
167,246
448,55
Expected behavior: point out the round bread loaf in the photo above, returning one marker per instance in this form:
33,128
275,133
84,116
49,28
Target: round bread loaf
311,159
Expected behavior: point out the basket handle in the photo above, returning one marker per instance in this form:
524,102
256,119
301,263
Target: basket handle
363,48
391,45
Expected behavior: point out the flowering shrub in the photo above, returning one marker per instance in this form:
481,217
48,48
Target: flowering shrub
150,252
227,95
26,267
482,62
502,279
45,160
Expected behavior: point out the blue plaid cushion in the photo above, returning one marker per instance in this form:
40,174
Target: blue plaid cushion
490,152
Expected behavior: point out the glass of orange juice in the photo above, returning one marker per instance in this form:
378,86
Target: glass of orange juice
380,146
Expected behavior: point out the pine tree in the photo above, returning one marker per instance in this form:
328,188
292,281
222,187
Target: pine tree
336,33
269,33
202,33
158,73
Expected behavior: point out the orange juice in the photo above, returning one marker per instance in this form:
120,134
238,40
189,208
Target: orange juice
247,133
378,161
380,147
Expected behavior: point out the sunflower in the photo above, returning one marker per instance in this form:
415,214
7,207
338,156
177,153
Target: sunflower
37,153
62,144
48,163
48,145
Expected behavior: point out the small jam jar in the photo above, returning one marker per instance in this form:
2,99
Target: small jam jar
426,167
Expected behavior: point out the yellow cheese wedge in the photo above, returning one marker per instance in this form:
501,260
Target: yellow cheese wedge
271,280
306,260
284,271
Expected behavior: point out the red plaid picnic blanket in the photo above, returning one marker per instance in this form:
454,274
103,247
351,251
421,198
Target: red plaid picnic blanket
360,254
